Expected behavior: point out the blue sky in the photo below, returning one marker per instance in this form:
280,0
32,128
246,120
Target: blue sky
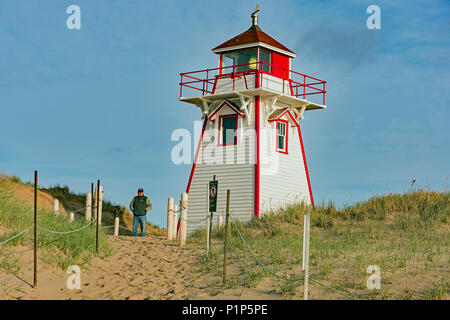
101,102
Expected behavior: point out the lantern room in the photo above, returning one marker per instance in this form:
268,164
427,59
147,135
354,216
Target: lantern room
253,63
255,50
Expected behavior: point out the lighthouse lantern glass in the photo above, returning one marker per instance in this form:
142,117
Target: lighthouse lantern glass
229,127
246,60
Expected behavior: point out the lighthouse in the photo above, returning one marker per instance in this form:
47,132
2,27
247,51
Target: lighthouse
251,106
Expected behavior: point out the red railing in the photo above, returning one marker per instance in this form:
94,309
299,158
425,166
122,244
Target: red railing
300,85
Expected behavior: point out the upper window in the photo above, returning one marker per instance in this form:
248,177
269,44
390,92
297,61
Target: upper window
228,129
246,60
282,138
264,56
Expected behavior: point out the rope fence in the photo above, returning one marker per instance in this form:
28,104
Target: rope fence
233,220
67,232
257,259
194,221
17,235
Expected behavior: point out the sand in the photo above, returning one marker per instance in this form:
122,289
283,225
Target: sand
140,268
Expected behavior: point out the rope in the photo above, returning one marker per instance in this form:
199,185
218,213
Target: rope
291,279
258,260
194,221
78,210
67,232
332,289
17,235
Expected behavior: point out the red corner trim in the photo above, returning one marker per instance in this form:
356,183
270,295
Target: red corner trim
304,162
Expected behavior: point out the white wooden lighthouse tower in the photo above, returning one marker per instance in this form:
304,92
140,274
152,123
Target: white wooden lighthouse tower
251,140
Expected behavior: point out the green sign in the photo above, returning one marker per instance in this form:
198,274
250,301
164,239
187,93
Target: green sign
213,185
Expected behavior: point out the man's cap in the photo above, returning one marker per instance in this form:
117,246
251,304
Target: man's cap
140,190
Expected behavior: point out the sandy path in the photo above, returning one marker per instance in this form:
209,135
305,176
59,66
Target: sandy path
140,268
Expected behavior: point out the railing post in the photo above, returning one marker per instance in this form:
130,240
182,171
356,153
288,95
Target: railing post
304,87
220,221
260,76
56,206
207,81
233,76
116,226
323,93
181,86
183,218
88,212
174,222
170,212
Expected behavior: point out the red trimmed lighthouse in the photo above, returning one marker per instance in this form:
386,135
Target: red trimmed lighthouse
251,140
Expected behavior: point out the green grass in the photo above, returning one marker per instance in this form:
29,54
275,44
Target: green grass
61,250
406,235
437,290
68,198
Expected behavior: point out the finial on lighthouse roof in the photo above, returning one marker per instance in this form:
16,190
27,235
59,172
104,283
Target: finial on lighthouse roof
255,17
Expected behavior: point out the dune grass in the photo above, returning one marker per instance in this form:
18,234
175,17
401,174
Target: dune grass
406,235
60,250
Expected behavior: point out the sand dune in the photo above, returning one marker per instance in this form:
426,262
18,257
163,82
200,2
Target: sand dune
140,268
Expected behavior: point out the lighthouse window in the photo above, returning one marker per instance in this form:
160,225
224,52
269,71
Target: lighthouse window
281,136
246,60
242,59
228,127
264,56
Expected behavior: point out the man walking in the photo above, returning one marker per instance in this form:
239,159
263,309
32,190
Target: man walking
139,206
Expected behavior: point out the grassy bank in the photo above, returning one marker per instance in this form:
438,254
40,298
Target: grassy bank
406,235
61,250
72,201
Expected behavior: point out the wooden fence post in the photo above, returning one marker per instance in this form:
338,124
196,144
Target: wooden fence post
170,212
88,211
306,244
71,217
116,226
98,220
99,202
174,221
227,230
35,228
56,206
92,201
183,222
220,221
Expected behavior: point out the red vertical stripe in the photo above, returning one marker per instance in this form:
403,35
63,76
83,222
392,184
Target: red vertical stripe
194,164
257,124
196,155
304,162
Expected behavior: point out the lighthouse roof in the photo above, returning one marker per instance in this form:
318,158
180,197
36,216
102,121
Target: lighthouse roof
251,38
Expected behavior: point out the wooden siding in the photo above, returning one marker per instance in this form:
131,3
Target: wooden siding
236,175
284,181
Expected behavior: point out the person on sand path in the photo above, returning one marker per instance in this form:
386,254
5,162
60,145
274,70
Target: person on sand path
140,205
